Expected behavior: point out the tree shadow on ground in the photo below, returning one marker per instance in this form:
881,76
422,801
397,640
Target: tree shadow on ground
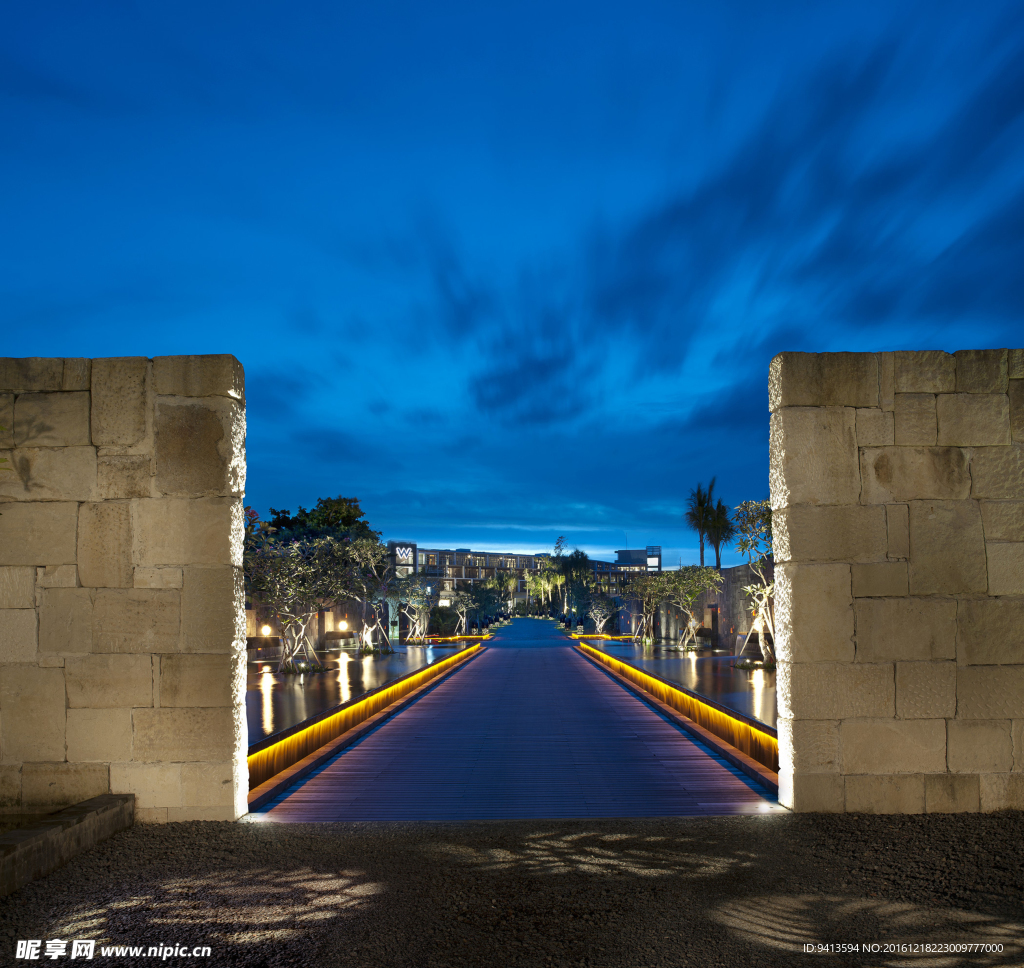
731,891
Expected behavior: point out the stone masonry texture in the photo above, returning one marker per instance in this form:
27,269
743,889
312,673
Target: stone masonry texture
122,618
897,486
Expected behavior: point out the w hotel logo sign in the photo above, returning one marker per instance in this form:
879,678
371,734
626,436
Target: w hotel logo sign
403,555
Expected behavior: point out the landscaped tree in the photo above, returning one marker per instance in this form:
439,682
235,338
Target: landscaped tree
419,596
648,590
506,584
601,609
293,578
754,527
579,580
720,530
485,600
699,510
684,587
462,605
370,578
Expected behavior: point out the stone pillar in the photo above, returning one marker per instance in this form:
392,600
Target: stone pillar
122,624
897,483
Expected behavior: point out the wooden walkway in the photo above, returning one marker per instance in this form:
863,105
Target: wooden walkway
529,729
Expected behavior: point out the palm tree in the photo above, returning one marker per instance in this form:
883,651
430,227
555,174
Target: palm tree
720,530
699,511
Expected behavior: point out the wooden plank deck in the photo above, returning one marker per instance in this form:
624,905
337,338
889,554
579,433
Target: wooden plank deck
529,729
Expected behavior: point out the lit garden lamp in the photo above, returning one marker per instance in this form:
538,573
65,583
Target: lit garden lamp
265,631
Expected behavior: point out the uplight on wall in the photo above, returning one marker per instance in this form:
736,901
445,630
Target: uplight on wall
343,626
266,630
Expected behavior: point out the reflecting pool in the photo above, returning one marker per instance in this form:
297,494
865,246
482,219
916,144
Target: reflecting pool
274,702
751,692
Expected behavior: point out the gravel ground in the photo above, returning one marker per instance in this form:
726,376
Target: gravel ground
737,891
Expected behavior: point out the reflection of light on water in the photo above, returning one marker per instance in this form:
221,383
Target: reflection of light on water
344,689
759,695
267,690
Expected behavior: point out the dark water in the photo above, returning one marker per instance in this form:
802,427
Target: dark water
274,702
749,692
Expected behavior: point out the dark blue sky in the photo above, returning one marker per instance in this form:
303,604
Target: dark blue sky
510,271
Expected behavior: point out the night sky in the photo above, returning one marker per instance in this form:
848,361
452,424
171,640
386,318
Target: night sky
510,271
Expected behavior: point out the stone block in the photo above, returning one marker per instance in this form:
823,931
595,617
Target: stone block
973,419
837,534
109,681
889,746
56,576
105,545
990,692
51,662
875,428
201,680
813,613
51,420
905,629
18,642
33,714
1015,364
812,792
17,587
925,690
1017,734
178,531
1016,397
199,376
77,374
979,746
61,784
99,735
886,381
949,793
915,423
997,473
150,814
990,631
925,371
865,690
1003,520
208,785
981,371
880,579
65,620
885,794
898,474
6,421
808,745
823,380
212,609
167,577
155,785
67,474
137,620
31,373
814,456
124,477
806,690
209,814
897,521
193,735
119,401
38,534
1001,791
10,785
1005,567
200,448
947,548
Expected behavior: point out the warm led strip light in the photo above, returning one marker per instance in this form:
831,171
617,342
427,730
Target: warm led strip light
758,744
268,762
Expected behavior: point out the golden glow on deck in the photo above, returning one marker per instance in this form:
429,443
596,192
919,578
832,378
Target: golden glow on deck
759,745
287,752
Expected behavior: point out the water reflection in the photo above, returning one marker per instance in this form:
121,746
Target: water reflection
751,692
274,702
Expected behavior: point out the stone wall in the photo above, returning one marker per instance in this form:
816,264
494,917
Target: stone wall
897,484
122,630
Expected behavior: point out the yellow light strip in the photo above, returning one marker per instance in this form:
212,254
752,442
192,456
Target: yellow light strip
272,760
758,745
